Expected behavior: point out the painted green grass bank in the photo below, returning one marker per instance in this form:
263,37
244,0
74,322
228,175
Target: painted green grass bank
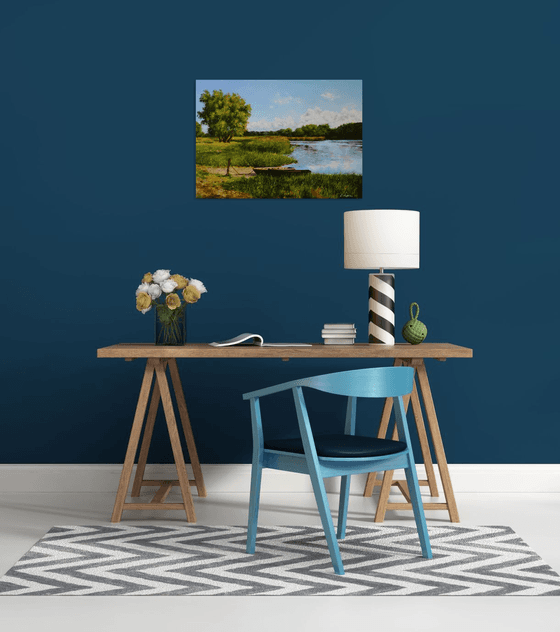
214,181
313,185
244,152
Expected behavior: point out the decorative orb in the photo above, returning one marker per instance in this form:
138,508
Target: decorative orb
414,331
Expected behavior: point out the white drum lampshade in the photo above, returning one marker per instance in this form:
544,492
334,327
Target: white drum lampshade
379,239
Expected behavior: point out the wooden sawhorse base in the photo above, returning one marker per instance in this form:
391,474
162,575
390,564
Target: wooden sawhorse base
383,505
161,392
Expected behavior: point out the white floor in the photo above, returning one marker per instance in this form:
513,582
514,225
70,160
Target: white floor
25,517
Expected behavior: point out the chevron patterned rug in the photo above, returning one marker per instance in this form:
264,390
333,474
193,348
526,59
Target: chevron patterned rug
204,560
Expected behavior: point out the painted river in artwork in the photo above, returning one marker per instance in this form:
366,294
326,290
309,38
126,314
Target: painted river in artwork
328,156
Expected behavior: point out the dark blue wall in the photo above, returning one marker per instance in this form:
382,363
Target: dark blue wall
461,122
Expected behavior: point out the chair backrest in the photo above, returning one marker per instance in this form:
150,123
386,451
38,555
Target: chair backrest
377,382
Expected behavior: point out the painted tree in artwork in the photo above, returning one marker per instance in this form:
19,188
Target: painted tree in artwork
226,115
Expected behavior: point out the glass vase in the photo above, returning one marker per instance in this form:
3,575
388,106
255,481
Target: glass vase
171,325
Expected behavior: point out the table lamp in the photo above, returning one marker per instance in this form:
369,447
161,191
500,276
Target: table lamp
381,239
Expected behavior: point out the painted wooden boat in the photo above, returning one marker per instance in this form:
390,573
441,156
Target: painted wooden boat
278,171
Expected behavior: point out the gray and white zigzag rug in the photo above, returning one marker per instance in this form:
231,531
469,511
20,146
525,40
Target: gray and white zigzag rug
205,560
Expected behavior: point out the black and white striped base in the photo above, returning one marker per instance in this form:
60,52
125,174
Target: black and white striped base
381,328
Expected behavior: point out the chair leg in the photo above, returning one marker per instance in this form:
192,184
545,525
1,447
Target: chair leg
326,520
343,506
418,508
256,476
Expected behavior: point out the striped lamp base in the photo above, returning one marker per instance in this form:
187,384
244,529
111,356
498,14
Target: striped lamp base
381,328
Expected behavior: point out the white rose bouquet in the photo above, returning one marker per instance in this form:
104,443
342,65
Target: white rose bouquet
161,290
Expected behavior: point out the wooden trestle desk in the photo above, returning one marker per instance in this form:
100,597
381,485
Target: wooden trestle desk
161,358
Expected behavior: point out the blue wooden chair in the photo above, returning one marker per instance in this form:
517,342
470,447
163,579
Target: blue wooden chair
342,454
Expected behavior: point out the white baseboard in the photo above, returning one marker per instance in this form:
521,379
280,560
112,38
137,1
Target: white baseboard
235,478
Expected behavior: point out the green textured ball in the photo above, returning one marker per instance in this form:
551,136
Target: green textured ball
414,331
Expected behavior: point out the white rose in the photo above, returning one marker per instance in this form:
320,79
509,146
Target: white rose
160,276
146,310
169,285
199,285
143,287
154,290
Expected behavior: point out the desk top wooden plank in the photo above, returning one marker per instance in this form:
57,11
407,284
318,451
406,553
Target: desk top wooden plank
441,350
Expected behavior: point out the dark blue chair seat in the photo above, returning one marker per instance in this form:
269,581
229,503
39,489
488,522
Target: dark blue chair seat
341,446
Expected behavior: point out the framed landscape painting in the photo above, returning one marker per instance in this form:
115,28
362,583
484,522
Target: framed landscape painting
279,139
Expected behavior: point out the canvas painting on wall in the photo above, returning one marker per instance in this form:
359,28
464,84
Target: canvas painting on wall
278,139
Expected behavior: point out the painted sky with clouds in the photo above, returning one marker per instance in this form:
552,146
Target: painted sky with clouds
277,104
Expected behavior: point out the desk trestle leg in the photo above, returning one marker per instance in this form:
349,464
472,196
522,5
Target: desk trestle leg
161,393
387,481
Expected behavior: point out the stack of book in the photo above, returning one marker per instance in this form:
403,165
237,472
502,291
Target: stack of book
339,334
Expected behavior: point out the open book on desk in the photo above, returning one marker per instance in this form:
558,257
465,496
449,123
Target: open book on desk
256,340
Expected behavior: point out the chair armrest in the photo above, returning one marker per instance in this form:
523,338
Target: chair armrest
275,389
